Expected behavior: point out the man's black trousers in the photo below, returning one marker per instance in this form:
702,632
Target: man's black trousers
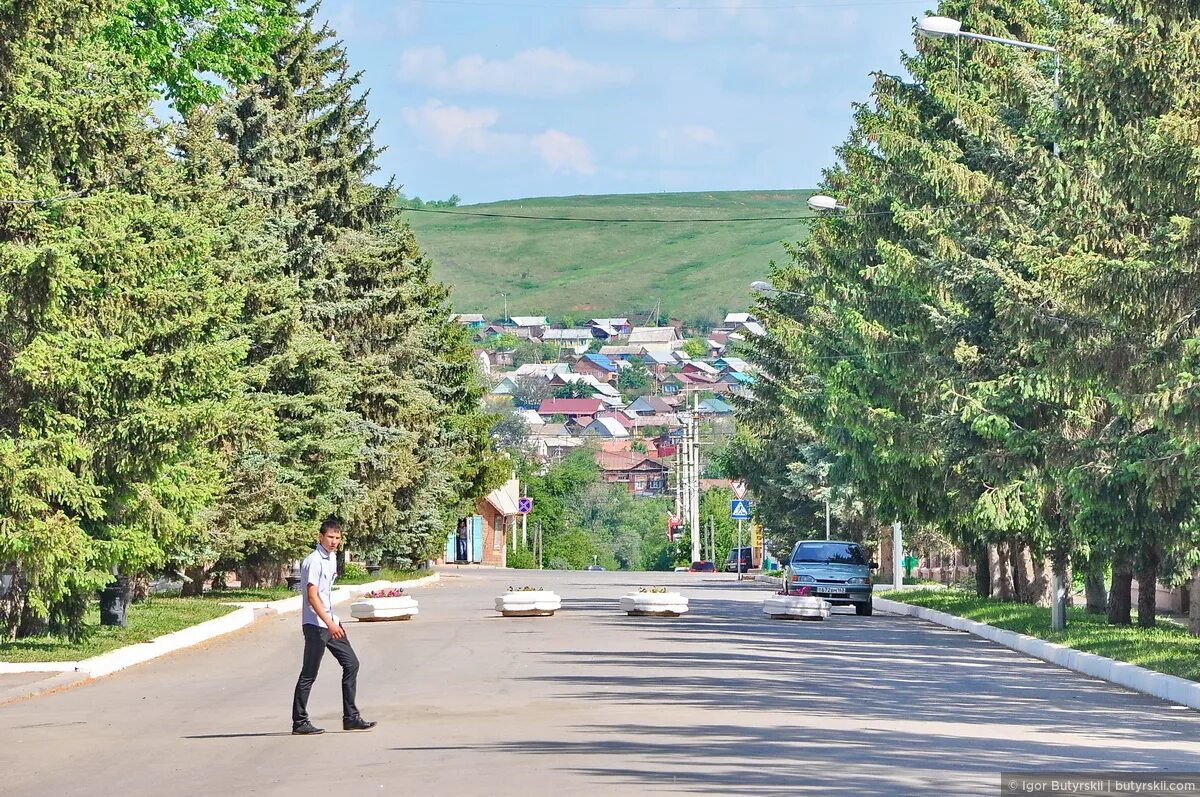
316,640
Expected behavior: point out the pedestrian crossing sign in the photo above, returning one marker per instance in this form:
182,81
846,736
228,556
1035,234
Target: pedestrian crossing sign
739,509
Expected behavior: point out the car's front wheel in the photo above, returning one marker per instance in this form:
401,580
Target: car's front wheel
864,609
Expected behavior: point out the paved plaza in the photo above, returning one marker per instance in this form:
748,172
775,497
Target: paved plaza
723,701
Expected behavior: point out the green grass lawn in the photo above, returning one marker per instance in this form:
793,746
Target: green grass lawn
151,618
697,269
247,594
1168,648
386,574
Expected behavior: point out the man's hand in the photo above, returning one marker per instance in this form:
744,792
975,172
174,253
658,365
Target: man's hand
335,630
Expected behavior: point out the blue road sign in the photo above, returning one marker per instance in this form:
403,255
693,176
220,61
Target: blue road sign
524,505
739,509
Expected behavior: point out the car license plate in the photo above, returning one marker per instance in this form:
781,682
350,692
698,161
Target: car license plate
832,591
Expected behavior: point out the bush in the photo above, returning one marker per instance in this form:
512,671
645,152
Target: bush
522,559
354,573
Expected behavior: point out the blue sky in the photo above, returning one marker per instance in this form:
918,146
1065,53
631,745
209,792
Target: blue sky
504,99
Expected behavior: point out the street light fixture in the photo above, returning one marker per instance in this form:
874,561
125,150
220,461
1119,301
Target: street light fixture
943,27
820,203
765,287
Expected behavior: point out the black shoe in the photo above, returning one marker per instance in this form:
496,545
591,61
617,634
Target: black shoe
306,729
356,724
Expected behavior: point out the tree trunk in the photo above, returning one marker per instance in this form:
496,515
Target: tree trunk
1093,586
983,573
1194,603
1002,576
1119,602
140,589
196,585
1037,588
1147,576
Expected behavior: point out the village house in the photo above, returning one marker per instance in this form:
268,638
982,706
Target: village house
576,341
482,538
472,321
639,474
649,405
576,410
605,426
623,353
528,326
655,339
597,365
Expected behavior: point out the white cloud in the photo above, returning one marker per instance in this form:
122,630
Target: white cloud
451,130
540,72
564,153
690,134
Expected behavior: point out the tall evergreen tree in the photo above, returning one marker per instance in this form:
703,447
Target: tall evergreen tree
117,351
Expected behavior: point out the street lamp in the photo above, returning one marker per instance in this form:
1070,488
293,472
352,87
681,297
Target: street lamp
941,27
765,287
945,27
822,203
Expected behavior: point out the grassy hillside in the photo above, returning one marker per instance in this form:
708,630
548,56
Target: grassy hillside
696,269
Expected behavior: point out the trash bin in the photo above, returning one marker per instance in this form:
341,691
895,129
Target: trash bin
374,569
114,600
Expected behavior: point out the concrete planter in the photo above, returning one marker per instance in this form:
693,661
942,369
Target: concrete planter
375,609
796,607
531,603
654,604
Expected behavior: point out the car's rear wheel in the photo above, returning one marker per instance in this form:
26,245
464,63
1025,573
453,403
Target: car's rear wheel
864,609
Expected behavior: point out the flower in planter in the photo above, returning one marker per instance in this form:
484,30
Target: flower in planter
390,592
524,589
799,592
655,590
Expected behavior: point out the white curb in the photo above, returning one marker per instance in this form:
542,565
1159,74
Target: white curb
244,615
1156,684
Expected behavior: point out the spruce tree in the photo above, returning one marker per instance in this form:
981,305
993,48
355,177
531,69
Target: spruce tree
117,352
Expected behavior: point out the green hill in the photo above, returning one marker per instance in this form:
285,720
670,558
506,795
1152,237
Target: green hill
697,269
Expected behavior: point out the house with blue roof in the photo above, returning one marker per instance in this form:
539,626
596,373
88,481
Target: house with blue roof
714,406
597,365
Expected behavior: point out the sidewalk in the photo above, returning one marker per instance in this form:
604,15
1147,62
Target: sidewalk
1170,688
19,680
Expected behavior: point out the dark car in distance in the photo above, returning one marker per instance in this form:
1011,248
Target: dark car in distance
702,567
747,560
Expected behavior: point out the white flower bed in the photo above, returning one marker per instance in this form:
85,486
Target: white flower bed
796,607
528,603
654,604
372,609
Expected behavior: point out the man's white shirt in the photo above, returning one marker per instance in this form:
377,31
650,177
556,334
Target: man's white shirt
320,568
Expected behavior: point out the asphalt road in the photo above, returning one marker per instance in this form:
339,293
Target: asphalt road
722,701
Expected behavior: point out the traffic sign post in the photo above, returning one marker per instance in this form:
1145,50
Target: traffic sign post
739,509
524,505
739,489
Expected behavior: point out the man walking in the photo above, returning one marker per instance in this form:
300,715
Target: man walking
323,630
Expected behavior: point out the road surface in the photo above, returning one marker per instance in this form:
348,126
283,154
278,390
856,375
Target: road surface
723,702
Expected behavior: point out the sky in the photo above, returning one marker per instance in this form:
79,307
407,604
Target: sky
508,99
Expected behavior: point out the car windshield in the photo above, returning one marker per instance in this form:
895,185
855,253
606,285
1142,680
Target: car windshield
830,553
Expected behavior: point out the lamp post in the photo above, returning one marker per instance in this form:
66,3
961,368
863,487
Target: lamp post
759,286
505,295
822,203
946,27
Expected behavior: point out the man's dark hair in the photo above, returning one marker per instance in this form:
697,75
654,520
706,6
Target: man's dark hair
331,524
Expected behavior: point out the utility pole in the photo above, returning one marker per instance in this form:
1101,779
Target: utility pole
897,573
537,534
524,522
826,513
694,428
